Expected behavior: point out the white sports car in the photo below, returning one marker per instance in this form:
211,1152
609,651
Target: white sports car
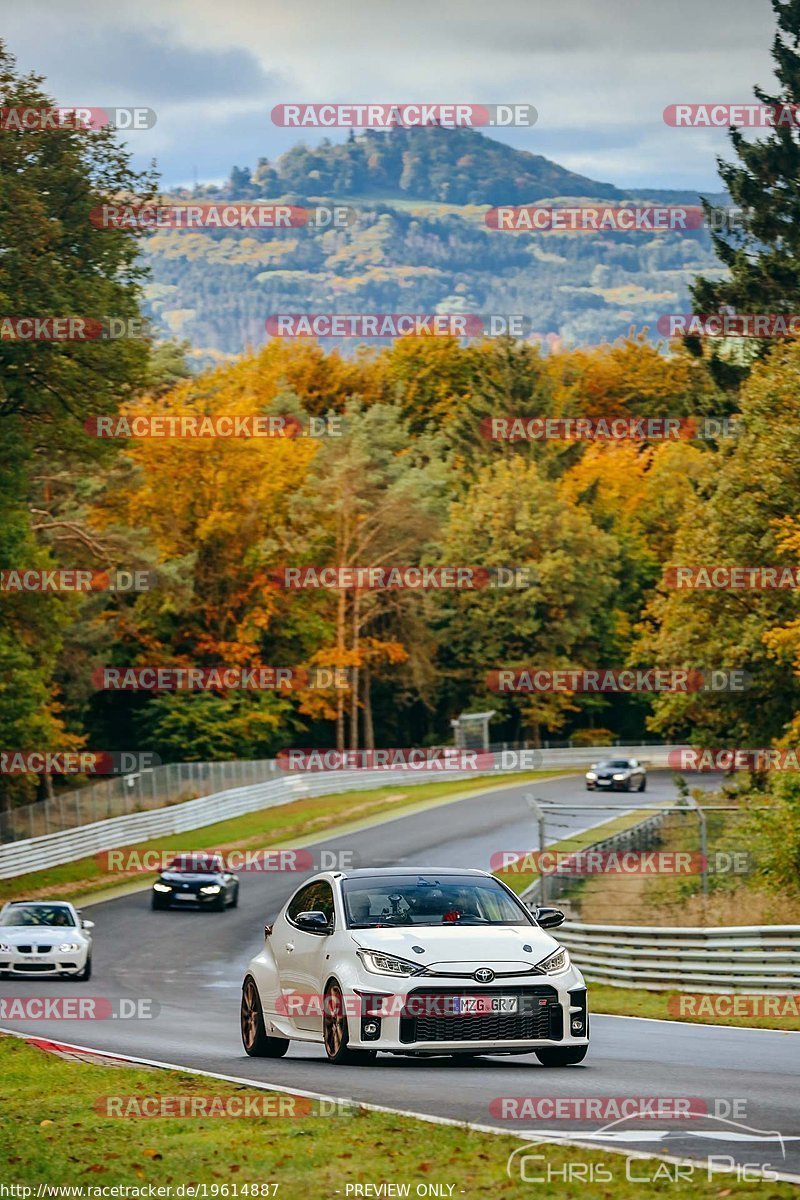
419,962
44,937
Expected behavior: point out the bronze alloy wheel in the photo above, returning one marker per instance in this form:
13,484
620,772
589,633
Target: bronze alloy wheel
251,1011
255,1039
333,1022
335,1032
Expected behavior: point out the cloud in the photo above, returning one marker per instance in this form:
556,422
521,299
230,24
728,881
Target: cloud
600,74
149,66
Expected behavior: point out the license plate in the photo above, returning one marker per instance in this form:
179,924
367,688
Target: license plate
184,896
604,783
477,1005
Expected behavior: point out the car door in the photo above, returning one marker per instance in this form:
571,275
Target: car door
301,955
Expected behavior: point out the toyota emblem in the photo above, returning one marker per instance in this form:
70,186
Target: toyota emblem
484,975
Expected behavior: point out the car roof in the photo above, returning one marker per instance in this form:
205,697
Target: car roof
49,903
412,872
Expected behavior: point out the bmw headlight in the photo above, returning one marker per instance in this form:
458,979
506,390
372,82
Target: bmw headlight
619,777
378,963
161,887
211,889
591,775
556,963
69,947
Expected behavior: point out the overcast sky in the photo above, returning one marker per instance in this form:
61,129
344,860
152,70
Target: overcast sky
599,72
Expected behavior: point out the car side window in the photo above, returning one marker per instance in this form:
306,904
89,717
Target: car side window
315,897
298,903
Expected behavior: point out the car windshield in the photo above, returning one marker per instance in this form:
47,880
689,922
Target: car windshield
37,914
620,763
188,863
397,900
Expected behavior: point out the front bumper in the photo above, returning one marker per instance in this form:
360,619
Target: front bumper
415,1016
43,963
180,898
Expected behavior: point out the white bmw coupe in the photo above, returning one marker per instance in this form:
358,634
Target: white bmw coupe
45,937
418,962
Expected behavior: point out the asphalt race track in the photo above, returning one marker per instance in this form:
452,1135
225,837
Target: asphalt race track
192,963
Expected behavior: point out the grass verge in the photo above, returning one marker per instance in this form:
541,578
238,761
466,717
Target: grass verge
267,827
59,1138
682,1006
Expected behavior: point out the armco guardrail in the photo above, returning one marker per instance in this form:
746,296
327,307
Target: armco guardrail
52,849
741,958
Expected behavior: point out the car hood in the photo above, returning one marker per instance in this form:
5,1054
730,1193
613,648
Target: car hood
501,947
40,934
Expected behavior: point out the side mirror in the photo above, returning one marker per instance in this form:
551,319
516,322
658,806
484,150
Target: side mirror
87,924
312,922
267,930
548,918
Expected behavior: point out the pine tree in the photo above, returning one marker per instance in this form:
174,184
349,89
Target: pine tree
763,253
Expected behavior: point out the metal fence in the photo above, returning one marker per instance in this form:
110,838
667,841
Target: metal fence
157,787
651,865
742,958
280,787
141,791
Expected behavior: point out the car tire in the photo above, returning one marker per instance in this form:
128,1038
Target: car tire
335,1032
562,1056
643,785
86,973
220,904
255,1039
235,900
157,905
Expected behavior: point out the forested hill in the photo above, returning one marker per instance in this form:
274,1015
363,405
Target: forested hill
420,244
448,166
451,166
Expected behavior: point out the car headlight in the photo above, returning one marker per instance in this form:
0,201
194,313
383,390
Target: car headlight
210,889
379,963
557,962
591,775
5,948
161,887
69,947
620,777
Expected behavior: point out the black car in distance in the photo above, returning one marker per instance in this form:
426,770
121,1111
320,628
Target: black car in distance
196,880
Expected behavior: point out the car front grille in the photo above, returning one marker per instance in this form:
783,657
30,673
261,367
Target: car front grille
540,1017
35,967
30,949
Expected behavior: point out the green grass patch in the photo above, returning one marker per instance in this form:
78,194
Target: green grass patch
59,1138
518,877
680,1006
264,828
